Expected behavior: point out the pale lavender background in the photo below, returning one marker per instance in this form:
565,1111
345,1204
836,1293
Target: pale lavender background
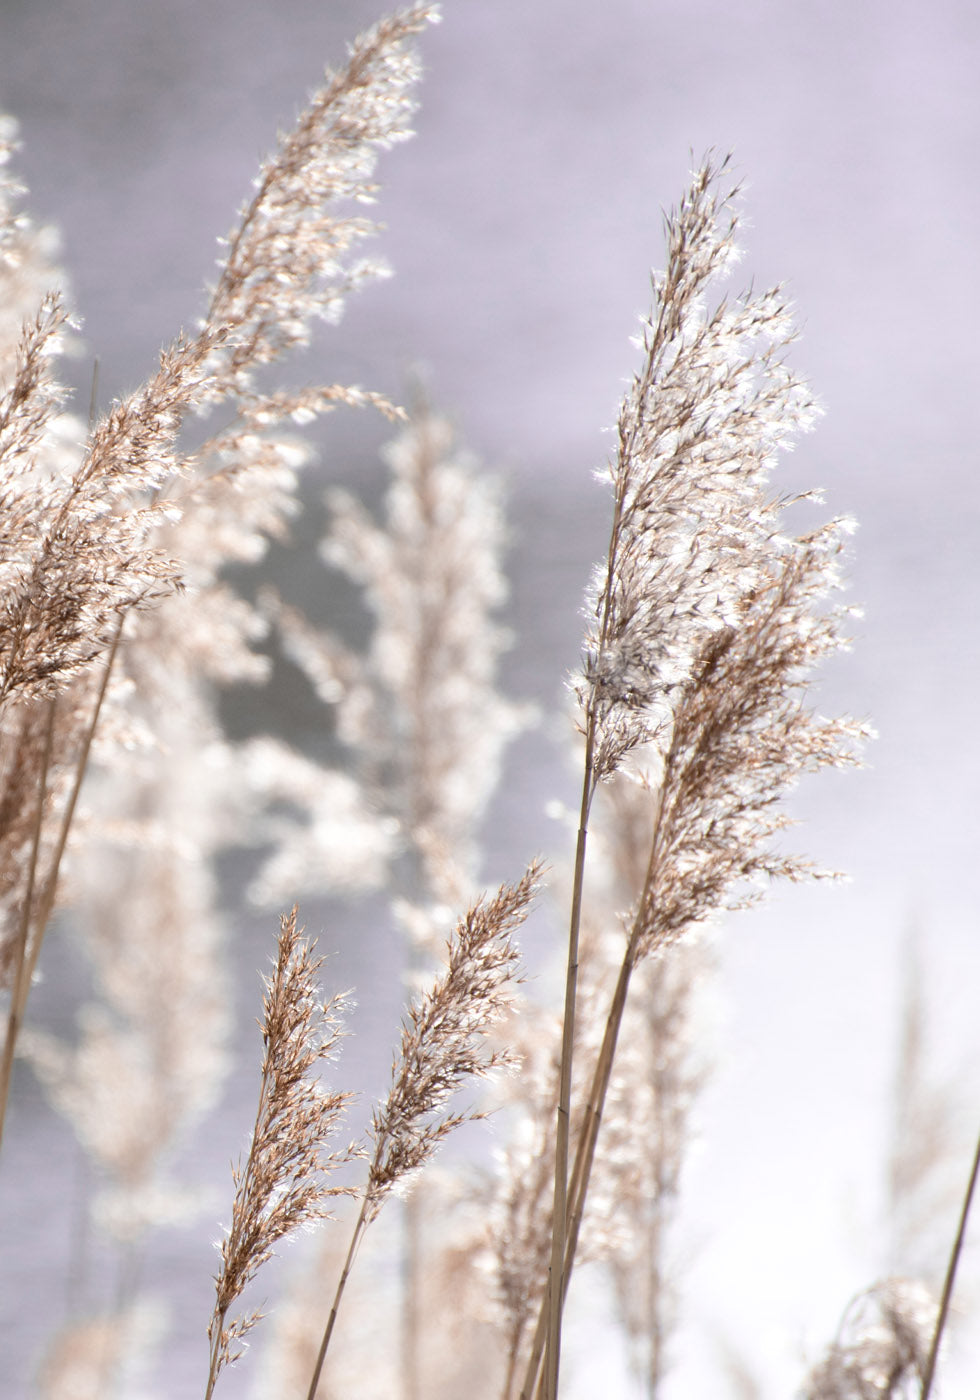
522,223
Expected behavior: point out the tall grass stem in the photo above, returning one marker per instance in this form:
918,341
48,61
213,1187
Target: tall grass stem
950,1279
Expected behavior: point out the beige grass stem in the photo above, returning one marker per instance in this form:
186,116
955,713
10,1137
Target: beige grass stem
556,1284
21,980
356,1236
582,1168
950,1279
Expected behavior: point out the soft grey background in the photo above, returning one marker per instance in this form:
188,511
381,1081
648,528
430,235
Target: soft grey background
522,223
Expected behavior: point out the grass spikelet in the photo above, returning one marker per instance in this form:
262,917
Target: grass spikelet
283,1184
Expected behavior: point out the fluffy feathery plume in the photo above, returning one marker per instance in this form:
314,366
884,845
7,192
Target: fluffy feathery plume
443,1043
433,582
698,434
708,624
99,1357
151,1053
79,550
85,555
86,544
283,1184
28,254
35,433
444,1048
288,259
741,737
881,1350
419,711
33,330
322,831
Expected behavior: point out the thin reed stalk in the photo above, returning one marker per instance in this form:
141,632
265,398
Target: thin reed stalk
534,1381
557,1285
357,1234
950,1279
556,1277
23,964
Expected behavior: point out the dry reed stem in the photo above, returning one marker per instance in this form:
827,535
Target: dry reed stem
23,964
950,1279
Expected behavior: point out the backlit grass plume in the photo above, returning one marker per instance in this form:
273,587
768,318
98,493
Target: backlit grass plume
706,621
706,624
284,1182
881,1350
444,1049
419,712
84,534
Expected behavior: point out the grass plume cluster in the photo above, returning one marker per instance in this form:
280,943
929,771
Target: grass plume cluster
706,623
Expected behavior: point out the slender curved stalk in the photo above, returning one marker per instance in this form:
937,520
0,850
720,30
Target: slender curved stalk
356,1238
51,887
215,1355
557,1285
582,1168
950,1279
556,1289
589,1135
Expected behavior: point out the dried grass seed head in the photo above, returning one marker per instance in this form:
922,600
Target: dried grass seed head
698,434
284,1182
443,1045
